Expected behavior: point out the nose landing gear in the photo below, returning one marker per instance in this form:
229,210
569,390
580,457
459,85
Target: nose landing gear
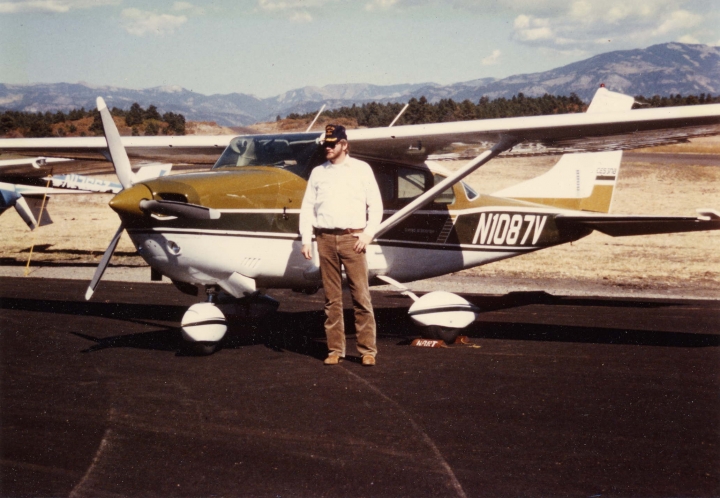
204,324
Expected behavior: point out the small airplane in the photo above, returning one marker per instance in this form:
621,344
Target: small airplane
233,230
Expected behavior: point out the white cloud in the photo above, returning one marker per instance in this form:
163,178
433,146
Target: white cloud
300,16
491,59
680,19
295,10
381,4
532,28
140,22
586,23
56,6
188,8
560,23
290,5
688,39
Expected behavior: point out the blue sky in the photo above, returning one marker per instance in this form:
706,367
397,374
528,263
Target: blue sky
266,47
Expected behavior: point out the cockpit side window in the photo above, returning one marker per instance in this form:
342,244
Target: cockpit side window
411,183
445,197
399,185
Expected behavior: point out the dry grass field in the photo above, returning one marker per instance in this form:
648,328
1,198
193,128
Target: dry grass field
84,224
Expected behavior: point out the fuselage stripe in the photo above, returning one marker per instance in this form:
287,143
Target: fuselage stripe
381,242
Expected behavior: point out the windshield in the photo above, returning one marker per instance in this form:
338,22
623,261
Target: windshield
293,151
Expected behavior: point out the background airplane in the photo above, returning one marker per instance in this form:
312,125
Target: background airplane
31,184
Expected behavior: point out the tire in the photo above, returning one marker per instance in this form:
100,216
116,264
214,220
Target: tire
199,348
446,334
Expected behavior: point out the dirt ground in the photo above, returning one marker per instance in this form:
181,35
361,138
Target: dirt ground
84,224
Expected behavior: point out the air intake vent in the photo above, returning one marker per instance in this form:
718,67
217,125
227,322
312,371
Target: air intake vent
171,196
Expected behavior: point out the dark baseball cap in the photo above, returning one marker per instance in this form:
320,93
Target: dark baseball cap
333,133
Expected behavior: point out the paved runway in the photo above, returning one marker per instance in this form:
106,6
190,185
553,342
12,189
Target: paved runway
557,396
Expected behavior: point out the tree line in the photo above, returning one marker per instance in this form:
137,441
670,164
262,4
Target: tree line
420,111
48,124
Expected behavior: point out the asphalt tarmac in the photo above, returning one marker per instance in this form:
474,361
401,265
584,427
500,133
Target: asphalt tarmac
555,396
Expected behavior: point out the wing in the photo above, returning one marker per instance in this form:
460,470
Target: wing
620,226
536,135
188,149
541,135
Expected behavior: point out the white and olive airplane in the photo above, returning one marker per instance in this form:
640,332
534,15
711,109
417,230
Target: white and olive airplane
233,230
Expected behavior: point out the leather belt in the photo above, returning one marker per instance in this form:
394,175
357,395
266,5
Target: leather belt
337,231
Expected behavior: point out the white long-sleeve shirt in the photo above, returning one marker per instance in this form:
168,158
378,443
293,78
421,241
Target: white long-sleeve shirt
343,195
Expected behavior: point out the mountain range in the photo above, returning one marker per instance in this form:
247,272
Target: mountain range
664,69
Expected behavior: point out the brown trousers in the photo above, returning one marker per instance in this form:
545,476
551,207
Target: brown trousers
334,251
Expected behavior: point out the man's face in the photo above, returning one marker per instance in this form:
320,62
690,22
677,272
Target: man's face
332,153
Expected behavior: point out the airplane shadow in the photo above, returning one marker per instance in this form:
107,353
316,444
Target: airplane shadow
138,313
302,332
590,335
46,249
525,298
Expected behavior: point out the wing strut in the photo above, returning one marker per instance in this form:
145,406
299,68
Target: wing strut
316,117
399,114
504,144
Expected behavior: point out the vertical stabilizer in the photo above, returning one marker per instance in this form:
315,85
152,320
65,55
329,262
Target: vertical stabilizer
583,181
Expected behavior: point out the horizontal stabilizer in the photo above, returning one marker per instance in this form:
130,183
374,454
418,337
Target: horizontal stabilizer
621,226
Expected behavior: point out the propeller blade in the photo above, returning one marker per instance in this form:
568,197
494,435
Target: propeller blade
179,209
103,263
119,157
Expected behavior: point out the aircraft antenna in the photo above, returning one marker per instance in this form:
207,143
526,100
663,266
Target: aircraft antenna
316,117
399,114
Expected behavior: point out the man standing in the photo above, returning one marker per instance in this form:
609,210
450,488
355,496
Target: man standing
343,208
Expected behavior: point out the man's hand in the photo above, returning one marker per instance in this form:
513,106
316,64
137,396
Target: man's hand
363,240
307,251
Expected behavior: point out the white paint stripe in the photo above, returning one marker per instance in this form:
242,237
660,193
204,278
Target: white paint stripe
453,480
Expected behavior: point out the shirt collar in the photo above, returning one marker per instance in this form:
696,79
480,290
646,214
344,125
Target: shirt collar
346,162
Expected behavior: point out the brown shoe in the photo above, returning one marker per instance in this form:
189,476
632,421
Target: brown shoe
332,359
368,361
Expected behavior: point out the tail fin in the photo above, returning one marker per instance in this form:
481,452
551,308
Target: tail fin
583,181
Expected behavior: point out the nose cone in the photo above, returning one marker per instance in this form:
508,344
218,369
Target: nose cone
127,203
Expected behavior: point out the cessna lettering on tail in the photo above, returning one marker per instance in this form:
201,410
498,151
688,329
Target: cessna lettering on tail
509,229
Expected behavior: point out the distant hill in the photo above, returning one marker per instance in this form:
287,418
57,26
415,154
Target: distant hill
665,69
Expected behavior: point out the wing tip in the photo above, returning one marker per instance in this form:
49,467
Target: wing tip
100,104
